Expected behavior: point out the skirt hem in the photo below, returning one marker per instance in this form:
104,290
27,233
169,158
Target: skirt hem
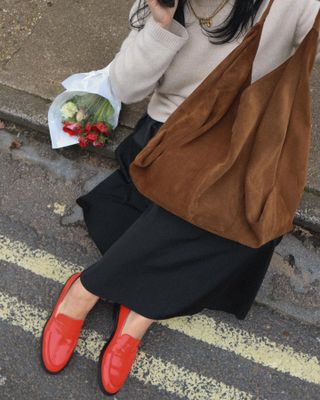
138,310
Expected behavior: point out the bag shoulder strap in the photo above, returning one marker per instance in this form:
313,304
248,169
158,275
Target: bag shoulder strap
265,14
316,24
257,27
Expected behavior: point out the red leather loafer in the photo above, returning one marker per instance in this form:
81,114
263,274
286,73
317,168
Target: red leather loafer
60,335
117,355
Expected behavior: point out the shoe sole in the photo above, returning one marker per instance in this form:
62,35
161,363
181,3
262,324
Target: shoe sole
116,312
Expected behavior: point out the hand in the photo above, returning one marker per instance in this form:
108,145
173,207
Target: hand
161,14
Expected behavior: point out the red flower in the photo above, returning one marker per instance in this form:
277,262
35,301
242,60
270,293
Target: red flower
92,136
72,128
101,128
88,127
83,141
98,144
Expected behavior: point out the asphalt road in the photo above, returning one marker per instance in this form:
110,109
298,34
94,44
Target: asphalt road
43,239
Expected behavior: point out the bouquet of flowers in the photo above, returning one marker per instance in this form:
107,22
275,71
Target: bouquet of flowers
87,117
86,113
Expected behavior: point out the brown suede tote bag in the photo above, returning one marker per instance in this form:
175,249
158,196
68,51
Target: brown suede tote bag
232,158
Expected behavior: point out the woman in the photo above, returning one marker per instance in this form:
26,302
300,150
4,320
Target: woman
155,265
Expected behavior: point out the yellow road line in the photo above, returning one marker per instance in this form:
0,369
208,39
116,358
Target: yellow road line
58,208
146,368
37,261
260,350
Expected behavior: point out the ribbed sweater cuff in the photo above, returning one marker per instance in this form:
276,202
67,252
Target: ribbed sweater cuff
174,37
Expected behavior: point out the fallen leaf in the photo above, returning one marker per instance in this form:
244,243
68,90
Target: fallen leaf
15,144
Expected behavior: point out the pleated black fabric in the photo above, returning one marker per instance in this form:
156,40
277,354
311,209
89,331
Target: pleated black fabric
156,263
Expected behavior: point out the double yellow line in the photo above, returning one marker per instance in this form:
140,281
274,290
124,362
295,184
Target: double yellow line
261,350
146,368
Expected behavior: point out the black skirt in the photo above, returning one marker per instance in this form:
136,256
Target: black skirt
156,263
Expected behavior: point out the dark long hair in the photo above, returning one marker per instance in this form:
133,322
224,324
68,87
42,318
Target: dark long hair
241,15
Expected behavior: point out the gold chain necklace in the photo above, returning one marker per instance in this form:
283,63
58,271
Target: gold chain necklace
207,20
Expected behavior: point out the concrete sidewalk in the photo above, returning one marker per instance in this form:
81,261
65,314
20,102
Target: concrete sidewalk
43,42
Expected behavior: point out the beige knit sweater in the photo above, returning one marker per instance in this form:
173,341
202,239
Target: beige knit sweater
171,63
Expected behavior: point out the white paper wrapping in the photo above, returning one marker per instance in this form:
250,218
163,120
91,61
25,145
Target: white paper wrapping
97,82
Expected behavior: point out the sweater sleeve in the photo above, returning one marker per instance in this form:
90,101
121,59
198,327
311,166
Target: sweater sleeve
143,58
309,9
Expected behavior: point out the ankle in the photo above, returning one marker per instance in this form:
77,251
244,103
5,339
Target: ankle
78,301
136,325
80,293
